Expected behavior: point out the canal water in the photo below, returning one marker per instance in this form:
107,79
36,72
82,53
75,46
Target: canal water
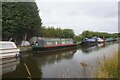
76,63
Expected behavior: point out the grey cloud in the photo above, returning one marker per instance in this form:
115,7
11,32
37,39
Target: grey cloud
96,16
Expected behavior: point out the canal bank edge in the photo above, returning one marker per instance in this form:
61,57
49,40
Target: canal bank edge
25,48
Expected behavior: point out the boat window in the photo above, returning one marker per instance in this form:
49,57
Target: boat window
49,43
7,45
63,42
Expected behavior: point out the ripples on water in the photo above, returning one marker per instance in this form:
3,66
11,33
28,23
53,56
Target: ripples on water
75,63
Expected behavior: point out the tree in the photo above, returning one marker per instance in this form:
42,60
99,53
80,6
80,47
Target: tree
90,34
56,32
20,20
68,33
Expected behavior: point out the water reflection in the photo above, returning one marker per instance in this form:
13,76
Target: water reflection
9,65
31,64
90,48
54,57
27,68
87,49
59,64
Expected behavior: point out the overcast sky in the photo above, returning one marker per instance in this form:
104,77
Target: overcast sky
80,16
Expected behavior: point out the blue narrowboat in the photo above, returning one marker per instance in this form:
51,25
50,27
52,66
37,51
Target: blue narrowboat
89,41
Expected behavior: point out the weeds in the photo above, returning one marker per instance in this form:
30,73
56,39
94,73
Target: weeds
108,68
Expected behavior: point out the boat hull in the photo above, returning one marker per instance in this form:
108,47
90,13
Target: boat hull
89,44
8,50
53,48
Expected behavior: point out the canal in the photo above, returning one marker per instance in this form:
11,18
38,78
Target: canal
75,63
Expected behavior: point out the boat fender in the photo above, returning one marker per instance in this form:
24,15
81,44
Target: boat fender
17,56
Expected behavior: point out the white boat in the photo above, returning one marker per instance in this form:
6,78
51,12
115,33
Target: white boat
100,40
8,49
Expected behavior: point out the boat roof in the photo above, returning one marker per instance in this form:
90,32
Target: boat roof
6,42
55,39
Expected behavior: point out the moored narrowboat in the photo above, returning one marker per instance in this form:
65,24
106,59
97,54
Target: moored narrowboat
100,40
89,41
52,44
109,39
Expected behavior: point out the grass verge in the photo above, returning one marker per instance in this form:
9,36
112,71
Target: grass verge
108,68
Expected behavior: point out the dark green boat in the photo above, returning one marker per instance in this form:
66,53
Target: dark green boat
53,44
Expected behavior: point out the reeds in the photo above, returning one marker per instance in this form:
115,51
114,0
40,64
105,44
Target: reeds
108,68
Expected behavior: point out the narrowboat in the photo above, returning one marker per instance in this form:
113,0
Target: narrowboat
100,40
52,44
89,41
8,50
109,39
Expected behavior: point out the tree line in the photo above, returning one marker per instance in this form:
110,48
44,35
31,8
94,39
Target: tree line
90,34
56,32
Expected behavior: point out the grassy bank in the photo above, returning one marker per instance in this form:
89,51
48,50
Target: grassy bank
109,68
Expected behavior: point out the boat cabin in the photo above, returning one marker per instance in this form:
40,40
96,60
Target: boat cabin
52,42
8,49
